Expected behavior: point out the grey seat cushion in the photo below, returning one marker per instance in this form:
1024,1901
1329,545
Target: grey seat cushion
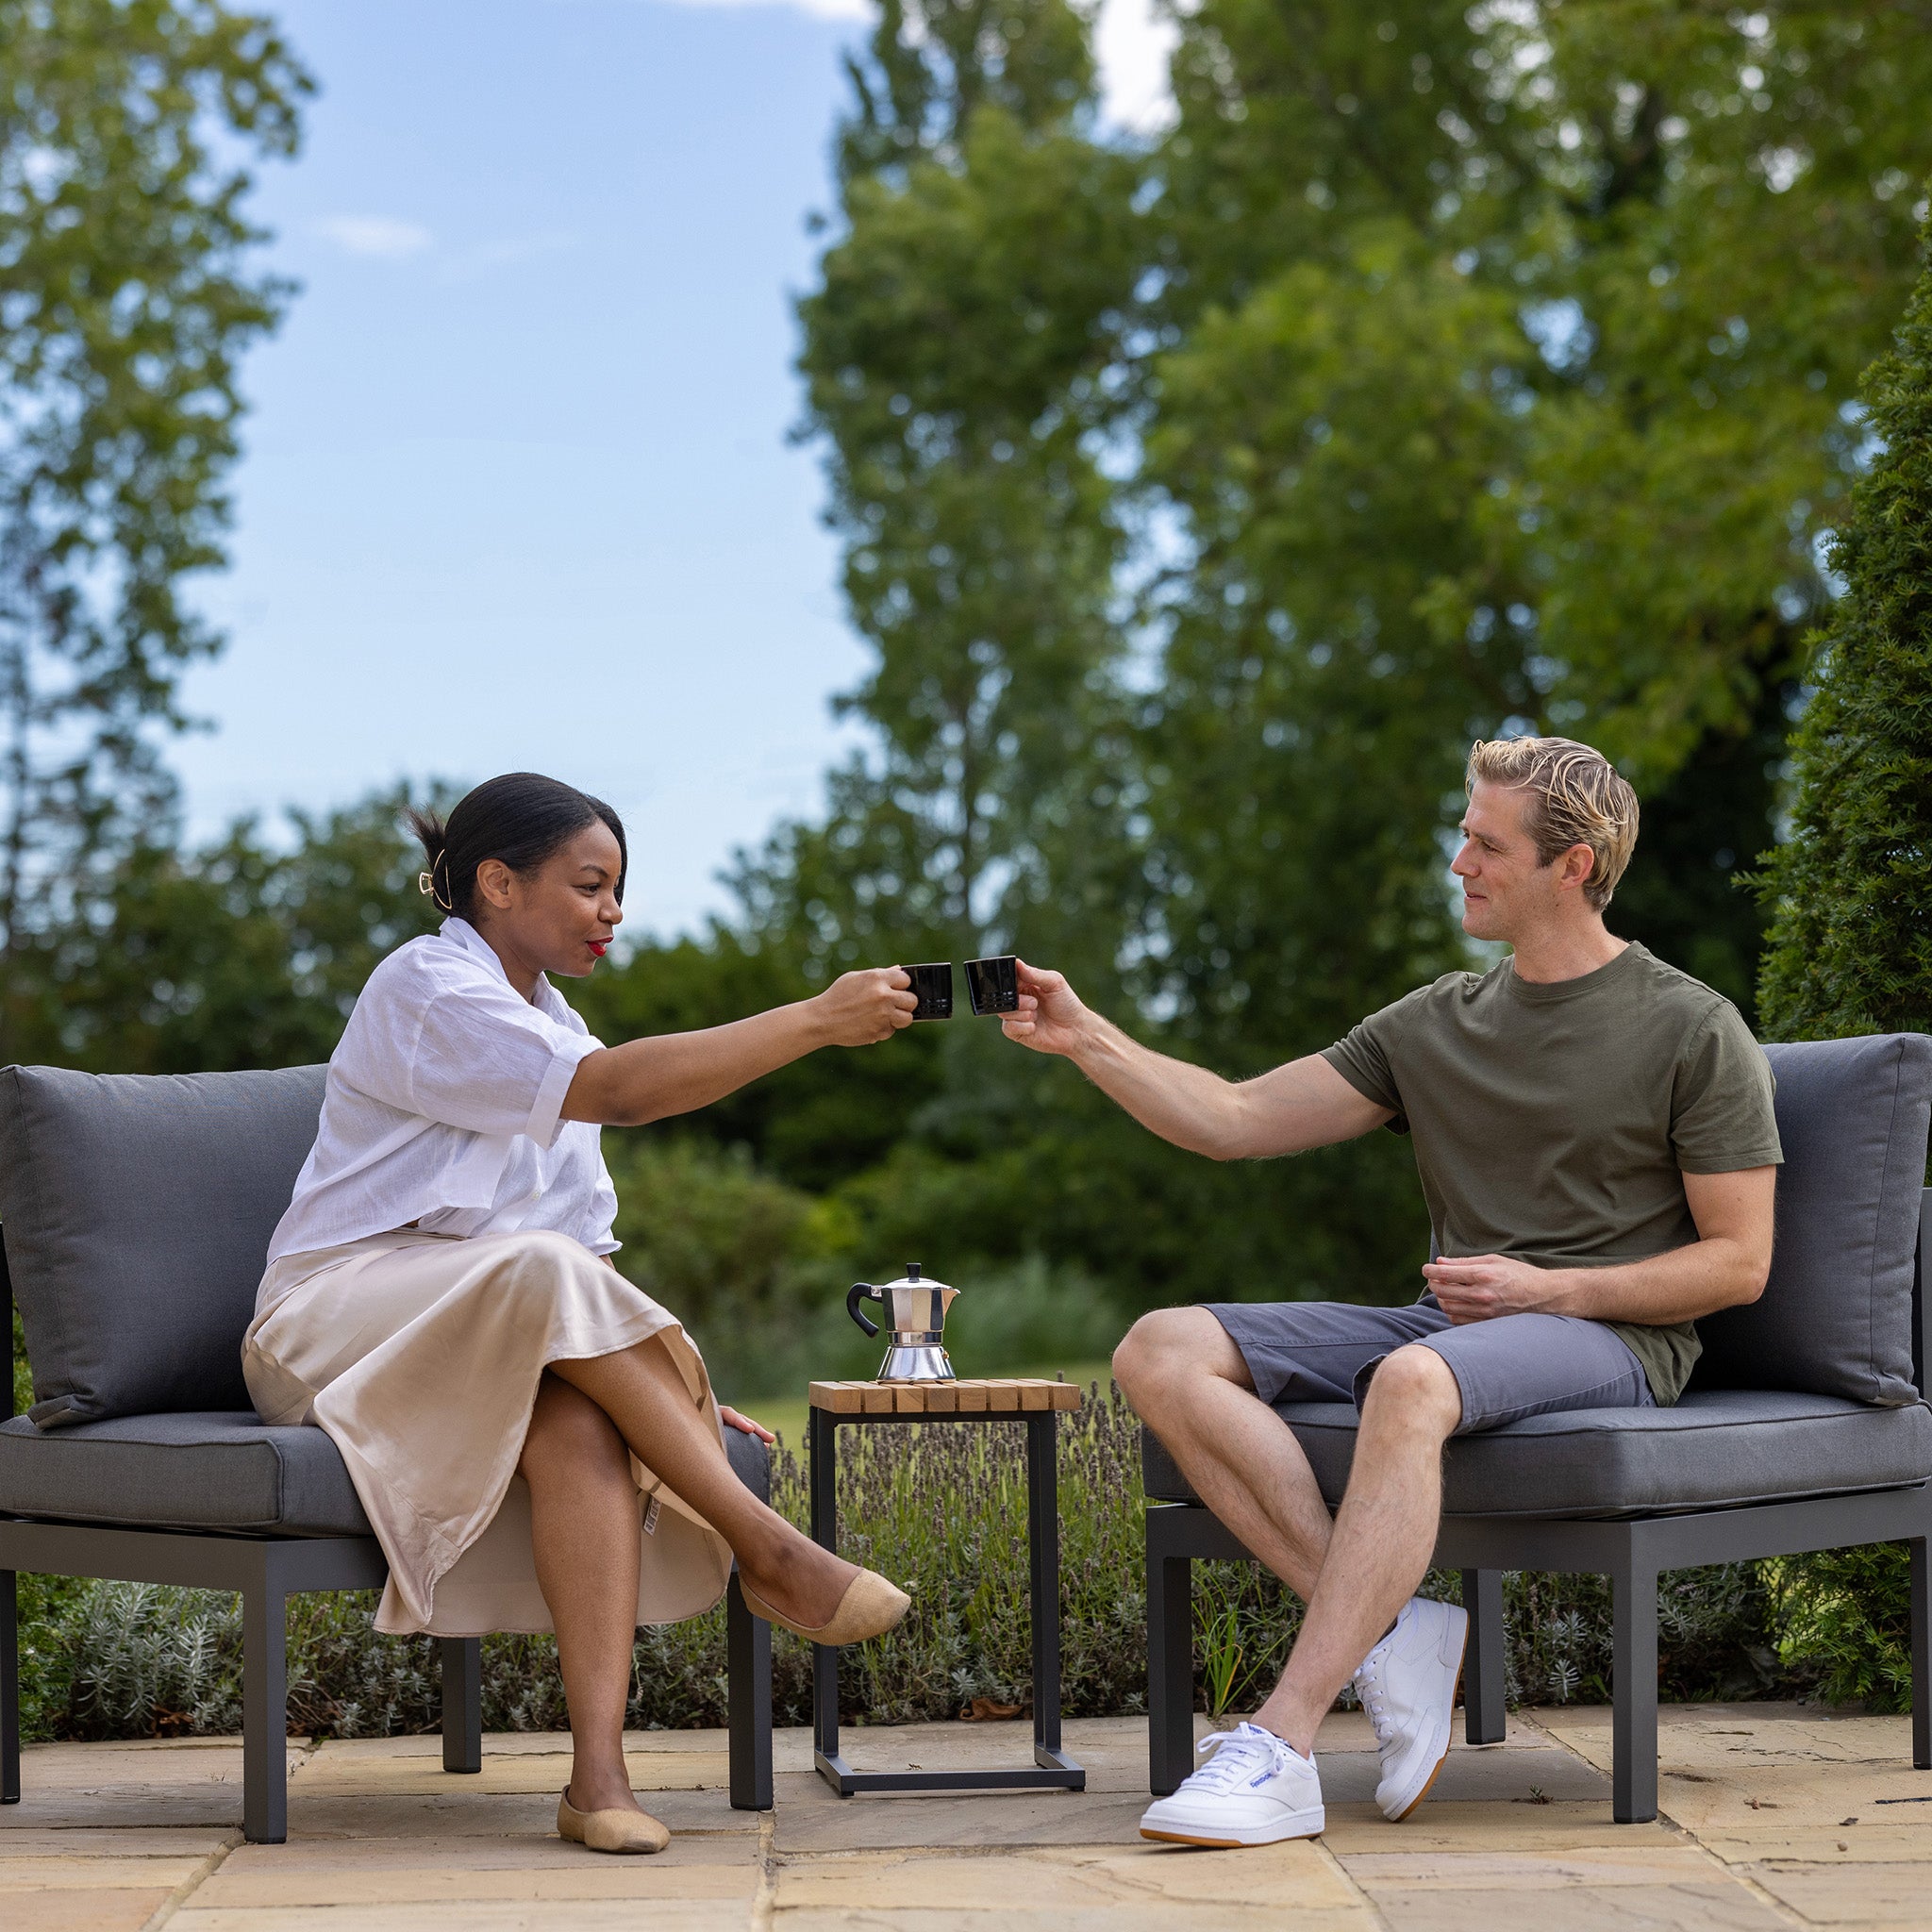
224,1472
752,1460
1836,1316
137,1211
1716,1448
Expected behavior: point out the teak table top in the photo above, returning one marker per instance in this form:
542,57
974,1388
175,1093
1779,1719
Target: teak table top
1004,1395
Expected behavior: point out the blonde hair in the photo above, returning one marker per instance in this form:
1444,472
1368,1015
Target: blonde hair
1577,797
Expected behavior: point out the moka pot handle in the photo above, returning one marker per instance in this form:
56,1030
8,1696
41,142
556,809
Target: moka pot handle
859,1291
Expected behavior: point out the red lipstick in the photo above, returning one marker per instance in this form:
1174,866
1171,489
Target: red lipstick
600,947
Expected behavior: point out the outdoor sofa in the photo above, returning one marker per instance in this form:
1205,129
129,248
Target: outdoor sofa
1804,1427
136,1213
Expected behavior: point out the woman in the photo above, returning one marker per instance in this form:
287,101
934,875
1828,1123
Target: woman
439,1296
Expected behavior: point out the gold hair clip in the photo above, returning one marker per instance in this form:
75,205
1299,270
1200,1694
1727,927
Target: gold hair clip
424,884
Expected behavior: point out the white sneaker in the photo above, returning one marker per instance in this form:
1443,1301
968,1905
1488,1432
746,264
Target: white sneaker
1407,1686
1257,1789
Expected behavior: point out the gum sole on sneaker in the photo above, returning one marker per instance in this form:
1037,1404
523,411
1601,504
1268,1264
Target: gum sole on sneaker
1403,1816
1230,1844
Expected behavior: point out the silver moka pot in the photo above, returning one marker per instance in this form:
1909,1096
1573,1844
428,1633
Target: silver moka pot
915,1319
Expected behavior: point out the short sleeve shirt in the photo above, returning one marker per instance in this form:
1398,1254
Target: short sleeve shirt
1554,1121
443,1107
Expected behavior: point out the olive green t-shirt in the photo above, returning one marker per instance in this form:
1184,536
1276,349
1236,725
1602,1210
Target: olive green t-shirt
1554,1121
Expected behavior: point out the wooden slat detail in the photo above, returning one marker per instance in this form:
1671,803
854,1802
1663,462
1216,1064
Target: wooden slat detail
1000,1395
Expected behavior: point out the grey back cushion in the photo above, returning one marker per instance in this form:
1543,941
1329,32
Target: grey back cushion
137,1211
1836,1316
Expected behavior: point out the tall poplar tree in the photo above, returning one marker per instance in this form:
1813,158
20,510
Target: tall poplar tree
126,299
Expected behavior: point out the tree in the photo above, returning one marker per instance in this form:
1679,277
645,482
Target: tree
1692,230
1851,948
243,954
952,360
1442,371
126,302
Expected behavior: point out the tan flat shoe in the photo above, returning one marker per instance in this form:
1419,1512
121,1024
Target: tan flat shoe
615,1830
870,1606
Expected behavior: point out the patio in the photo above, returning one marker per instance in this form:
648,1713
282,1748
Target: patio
1774,1816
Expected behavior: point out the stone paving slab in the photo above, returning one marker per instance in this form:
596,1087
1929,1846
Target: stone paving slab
1499,1827
591,1915
1850,1894
491,1815
19,1838
329,1773
1719,1905
260,1886
1295,1876
133,1838
95,1909
1254,1917
1657,1861
142,1786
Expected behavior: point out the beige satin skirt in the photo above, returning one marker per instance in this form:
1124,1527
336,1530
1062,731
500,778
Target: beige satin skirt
420,1354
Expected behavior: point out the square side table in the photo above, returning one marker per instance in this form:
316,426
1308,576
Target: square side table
1038,1404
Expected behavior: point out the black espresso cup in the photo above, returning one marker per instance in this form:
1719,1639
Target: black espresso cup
934,986
995,985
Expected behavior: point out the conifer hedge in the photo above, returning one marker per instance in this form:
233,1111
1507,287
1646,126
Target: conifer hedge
1850,949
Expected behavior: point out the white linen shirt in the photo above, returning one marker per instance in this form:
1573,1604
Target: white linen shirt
442,1110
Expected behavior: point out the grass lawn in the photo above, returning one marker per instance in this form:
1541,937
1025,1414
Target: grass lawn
787,1413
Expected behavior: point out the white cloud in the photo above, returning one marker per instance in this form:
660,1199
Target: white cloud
380,236
1132,44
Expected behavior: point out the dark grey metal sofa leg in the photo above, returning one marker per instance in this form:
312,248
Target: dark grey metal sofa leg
748,1667
462,1703
1633,1774
265,1712
9,1691
1484,1715
1169,1655
1921,1656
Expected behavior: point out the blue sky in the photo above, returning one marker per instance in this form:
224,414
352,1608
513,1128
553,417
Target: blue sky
517,490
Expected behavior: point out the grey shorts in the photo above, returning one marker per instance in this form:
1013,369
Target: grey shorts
1513,1366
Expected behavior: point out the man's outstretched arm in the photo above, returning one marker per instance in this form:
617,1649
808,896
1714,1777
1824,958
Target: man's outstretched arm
1726,1265
1305,1103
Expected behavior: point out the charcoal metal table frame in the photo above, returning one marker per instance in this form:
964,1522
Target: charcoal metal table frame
1052,1769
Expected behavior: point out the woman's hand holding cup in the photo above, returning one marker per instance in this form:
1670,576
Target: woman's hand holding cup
863,1007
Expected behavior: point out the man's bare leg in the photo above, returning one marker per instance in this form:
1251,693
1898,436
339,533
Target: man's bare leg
1187,1381
1383,1538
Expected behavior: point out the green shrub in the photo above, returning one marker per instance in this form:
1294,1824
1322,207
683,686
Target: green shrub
1851,947
1844,1619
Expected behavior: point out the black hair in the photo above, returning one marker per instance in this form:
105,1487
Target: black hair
522,818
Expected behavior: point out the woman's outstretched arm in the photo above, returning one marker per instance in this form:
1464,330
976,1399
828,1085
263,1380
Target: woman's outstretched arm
650,1079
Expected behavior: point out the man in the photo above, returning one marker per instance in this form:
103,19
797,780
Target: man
1594,1135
